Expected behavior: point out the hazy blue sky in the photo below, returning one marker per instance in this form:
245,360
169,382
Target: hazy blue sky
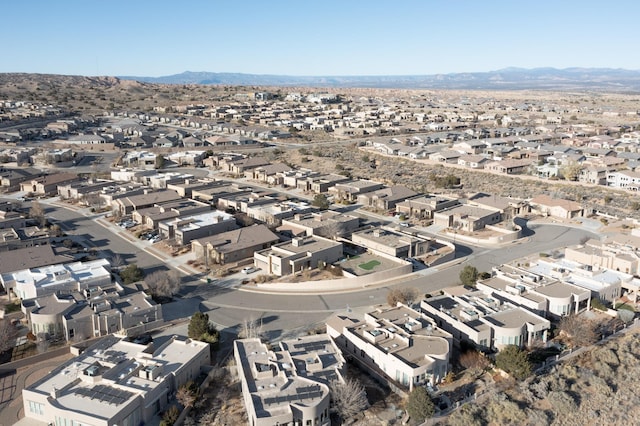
306,37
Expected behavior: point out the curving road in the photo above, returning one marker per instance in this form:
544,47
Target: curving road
228,306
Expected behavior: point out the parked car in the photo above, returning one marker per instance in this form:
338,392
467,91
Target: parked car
249,270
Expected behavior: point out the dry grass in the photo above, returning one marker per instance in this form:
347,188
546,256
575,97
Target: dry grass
597,387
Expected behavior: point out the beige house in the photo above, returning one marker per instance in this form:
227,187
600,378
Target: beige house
288,384
398,345
386,198
424,206
328,224
485,321
48,184
115,382
92,313
392,243
296,255
467,218
560,208
233,246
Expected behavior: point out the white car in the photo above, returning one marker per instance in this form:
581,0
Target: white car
249,270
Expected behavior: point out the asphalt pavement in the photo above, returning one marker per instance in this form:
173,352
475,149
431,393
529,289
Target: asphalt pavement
229,303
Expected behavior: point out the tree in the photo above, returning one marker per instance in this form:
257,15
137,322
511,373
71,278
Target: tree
469,276
163,283
405,295
187,394
581,331
8,335
160,161
349,398
201,329
37,212
117,261
132,274
514,361
170,416
251,329
571,170
320,201
474,361
419,405
56,231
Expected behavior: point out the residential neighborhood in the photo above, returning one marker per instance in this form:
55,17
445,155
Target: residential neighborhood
243,199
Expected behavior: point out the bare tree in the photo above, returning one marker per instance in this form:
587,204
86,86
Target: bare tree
349,398
474,361
581,331
117,261
93,200
37,212
42,342
251,329
186,396
405,295
163,284
8,335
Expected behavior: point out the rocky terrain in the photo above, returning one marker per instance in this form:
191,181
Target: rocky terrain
596,387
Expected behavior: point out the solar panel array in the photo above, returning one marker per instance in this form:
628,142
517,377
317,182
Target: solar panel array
312,346
106,394
308,389
293,398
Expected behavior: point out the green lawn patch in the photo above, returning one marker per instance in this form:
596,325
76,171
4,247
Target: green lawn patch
369,265
625,306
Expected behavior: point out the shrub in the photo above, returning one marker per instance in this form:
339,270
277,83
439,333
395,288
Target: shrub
405,296
419,405
514,361
131,274
170,416
469,276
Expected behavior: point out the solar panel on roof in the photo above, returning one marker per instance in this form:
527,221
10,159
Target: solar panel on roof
311,346
105,394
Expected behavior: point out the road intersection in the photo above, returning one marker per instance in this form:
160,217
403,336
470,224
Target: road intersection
229,303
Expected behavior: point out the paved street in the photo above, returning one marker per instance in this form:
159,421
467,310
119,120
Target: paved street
228,304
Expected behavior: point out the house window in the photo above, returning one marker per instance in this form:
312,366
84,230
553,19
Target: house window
36,407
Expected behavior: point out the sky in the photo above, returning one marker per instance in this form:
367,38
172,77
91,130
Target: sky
155,38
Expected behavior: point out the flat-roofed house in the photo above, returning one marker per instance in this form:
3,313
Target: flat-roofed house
476,317
328,224
127,204
115,382
397,344
94,312
288,384
350,190
392,243
424,206
299,253
152,216
35,282
466,217
272,174
186,229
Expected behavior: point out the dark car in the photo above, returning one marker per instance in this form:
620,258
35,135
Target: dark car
143,339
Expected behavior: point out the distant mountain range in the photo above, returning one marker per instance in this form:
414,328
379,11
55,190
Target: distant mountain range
599,79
